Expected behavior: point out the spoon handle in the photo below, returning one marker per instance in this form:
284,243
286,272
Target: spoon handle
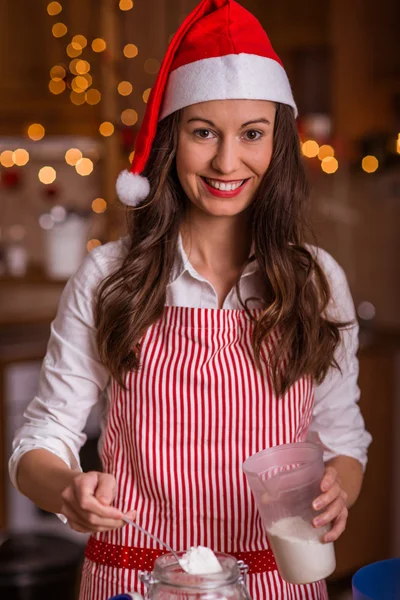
156,539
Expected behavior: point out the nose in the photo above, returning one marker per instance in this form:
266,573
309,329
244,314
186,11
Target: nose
227,156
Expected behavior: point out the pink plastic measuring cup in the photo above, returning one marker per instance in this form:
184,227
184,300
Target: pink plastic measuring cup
285,480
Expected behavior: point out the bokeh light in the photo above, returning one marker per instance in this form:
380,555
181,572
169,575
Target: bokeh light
93,96
36,132
329,165
99,45
73,52
54,8
57,86
59,30
47,175
131,156
72,156
20,157
398,144
46,221
57,73
370,164
130,51
82,67
99,205
310,149
146,95
79,42
125,88
325,151
84,166
6,158
125,4
129,117
106,128
92,244
77,98
58,213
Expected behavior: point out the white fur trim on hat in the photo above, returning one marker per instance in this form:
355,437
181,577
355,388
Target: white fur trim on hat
132,188
230,77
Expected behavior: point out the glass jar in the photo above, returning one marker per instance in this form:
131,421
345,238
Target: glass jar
169,582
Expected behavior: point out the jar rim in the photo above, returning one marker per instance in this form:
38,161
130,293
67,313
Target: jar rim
168,572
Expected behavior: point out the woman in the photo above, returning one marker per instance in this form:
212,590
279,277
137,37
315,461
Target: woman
214,329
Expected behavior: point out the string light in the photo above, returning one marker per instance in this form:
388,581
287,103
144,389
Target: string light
72,156
47,175
310,149
152,66
370,164
130,51
329,165
325,151
6,159
98,45
20,157
146,95
93,96
125,4
36,132
129,117
99,205
57,86
125,88
84,167
92,244
106,128
59,30
54,8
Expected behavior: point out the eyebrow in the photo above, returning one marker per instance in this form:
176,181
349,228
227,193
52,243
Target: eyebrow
262,120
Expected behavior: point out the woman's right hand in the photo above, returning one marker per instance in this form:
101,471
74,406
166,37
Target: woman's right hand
87,500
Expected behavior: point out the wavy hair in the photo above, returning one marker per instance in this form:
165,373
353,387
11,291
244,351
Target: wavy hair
132,298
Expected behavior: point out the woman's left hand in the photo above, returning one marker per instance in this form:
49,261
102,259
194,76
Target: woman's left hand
334,502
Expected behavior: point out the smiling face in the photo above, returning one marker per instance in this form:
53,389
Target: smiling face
224,150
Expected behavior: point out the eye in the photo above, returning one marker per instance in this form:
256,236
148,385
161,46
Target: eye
204,134
253,135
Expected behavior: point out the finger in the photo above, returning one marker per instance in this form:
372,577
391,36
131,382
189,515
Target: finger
106,488
89,521
328,497
84,489
338,528
331,475
333,510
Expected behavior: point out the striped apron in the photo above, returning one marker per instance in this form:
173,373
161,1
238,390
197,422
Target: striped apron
176,441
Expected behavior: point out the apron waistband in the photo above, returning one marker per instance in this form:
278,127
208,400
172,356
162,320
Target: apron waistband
142,559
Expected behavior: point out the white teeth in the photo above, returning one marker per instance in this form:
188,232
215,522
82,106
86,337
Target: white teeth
224,187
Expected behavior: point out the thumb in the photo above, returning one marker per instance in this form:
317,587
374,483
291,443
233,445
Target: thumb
106,489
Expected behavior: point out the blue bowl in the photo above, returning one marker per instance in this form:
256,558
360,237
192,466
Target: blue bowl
378,581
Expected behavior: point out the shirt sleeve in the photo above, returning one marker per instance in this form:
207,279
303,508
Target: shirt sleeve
72,378
337,422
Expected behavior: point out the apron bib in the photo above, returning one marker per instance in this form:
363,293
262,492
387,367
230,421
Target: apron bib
176,441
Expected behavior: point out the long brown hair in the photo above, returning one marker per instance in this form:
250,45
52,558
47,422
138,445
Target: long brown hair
133,297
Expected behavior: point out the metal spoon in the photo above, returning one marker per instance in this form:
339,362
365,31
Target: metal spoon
167,546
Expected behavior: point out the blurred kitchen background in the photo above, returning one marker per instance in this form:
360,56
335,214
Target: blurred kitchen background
74,80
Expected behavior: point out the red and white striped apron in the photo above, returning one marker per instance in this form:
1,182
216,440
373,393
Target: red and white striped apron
176,441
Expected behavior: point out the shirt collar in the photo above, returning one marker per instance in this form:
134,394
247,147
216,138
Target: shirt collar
182,265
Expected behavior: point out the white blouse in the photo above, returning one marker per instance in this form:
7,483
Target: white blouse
73,379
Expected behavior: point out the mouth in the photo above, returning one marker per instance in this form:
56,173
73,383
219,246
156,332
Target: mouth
224,189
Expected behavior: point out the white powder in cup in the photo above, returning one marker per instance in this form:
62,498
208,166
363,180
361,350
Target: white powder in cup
200,561
300,555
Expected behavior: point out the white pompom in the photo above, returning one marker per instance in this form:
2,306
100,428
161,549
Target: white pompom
131,188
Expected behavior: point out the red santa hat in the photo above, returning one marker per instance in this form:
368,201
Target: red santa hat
220,52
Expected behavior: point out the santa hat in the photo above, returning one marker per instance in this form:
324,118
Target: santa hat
220,52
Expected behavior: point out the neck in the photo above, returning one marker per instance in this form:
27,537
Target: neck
217,243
